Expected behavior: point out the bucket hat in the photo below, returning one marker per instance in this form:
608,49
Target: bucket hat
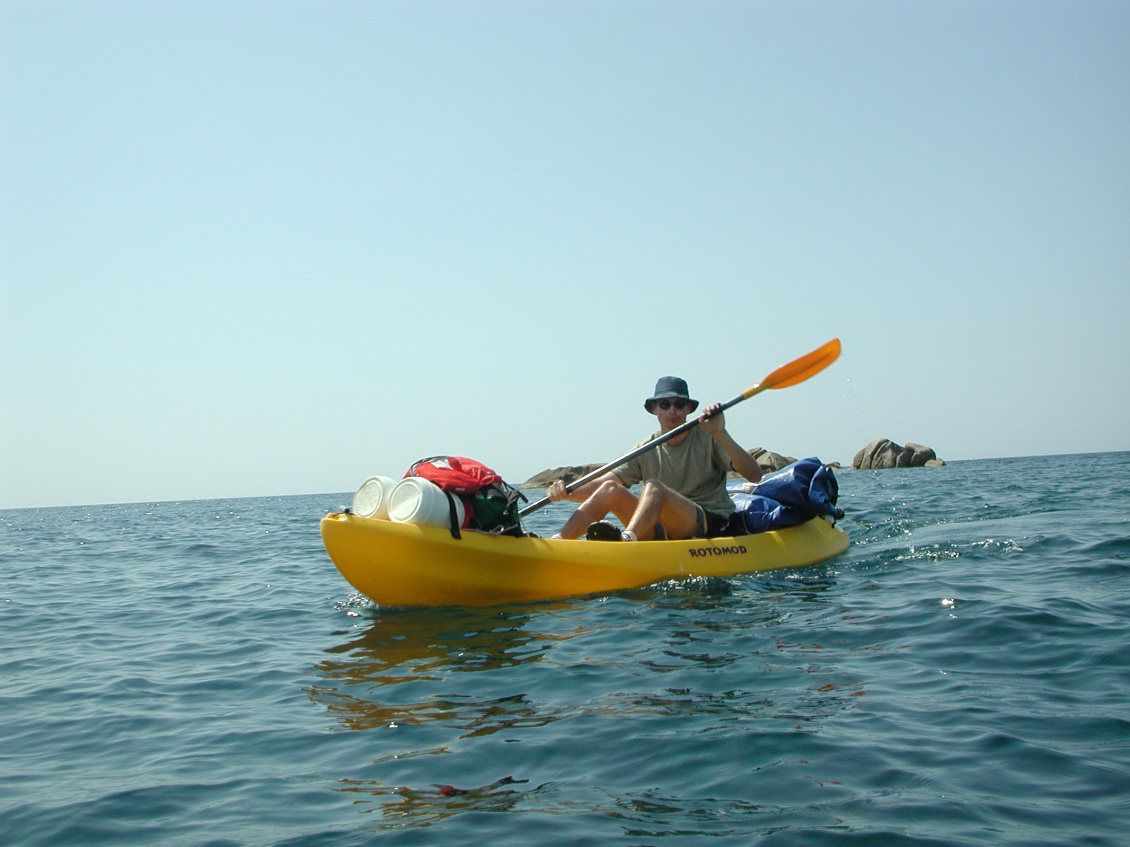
670,387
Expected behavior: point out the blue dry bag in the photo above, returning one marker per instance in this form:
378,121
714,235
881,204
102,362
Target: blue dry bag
792,495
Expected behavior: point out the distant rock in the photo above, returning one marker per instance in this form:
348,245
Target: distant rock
768,460
566,474
884,453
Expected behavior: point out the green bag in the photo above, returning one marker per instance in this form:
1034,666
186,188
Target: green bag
494,508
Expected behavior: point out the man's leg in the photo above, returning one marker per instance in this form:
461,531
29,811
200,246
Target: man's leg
609,497
660,504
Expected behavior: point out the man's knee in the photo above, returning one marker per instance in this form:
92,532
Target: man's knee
608,491
609,488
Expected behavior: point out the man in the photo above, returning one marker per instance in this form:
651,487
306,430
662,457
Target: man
684,479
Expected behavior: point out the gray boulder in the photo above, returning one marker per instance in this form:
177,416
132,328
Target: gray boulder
768,460
884,453
566,474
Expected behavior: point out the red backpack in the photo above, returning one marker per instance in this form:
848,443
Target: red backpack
455,473
492,503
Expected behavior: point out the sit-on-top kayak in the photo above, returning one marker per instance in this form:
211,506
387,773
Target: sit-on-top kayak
402,564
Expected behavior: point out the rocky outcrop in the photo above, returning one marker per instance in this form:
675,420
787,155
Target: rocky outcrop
566,474
884,453
768,460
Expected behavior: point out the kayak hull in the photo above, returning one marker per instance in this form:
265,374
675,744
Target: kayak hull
398,564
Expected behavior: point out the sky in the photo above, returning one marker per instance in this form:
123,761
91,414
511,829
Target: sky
268,248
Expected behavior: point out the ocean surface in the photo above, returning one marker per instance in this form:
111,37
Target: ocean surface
197,673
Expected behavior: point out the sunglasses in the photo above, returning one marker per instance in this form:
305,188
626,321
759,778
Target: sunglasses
667,404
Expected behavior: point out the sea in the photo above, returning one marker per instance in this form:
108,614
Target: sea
198,673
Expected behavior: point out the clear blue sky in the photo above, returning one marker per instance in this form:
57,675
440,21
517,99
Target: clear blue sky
261,248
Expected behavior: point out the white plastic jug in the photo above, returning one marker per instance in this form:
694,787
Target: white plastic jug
416,500
371,499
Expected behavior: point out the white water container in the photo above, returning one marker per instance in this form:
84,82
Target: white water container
416,500
371,499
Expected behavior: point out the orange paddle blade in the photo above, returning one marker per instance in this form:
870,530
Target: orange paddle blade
800,369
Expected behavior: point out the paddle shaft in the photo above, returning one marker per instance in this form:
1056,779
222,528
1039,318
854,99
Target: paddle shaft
793,373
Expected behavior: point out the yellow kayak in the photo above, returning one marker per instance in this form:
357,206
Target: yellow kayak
400,564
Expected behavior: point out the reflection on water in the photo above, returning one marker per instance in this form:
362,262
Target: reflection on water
473,716
431,645
400,806
690,663
411,644
694,626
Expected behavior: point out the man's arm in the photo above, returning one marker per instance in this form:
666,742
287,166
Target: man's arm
742,462
556,490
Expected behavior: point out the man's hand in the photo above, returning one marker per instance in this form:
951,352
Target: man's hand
713,421
556,491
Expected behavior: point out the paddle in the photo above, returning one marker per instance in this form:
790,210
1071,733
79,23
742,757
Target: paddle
793,373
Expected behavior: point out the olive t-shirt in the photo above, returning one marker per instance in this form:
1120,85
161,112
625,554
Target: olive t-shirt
696,467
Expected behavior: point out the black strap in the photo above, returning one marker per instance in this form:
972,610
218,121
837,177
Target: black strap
454,520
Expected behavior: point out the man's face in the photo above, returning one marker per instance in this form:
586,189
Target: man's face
671,412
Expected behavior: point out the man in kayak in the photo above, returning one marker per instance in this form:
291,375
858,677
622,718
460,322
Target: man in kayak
684,479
